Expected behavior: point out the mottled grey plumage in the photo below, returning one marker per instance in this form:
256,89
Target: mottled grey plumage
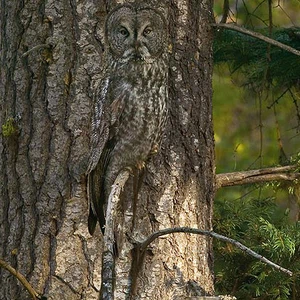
130,101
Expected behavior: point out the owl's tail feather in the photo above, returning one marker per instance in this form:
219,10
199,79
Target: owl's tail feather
92,222
96,199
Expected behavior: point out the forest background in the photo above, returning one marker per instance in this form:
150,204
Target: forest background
257,125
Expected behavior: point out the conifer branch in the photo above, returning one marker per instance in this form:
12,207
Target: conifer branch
258,35
212,234
21,278
285,173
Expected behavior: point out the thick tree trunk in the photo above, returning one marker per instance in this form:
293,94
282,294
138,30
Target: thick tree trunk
50,59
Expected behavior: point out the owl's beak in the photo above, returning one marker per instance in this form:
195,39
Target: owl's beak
137,52
137,45
138,56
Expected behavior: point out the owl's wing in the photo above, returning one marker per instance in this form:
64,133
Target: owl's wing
99,137
105,125
100,123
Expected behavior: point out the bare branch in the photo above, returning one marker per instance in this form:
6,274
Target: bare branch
108,256
21,278
35,48
212,234
258,36
254,176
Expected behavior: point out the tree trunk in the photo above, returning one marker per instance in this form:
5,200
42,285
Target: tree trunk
50,60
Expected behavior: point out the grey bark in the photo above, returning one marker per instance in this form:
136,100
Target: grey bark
43,209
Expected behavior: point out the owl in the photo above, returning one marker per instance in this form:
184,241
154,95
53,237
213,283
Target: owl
130,100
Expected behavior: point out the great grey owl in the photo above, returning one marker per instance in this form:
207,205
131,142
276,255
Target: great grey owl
130,100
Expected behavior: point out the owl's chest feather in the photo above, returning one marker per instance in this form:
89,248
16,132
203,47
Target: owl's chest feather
144,112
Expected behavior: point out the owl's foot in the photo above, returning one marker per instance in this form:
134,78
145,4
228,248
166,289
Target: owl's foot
140,165
154,149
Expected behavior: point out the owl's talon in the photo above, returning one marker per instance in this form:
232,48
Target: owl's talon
140,165
154,149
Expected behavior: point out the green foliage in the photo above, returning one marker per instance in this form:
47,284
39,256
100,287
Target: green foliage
262,226
254,126
9,128
260,63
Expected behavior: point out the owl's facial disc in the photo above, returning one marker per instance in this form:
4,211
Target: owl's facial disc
137,35
134,44
142,44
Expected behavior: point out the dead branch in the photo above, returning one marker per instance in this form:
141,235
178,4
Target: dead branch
257,36
286,173
108,256
212,234
21,278
35,48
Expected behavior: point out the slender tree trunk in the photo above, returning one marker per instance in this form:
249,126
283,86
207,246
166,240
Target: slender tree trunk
50,60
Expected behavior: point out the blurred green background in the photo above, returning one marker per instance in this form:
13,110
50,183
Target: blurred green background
257,124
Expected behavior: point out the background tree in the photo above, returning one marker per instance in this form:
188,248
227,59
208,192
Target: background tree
256,95
50,58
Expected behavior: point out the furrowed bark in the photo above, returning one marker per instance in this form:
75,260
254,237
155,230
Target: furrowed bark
50,60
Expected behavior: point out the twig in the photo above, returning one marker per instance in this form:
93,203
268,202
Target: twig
21,278
254,176
258,36
278,98
36,48
212,234
108,256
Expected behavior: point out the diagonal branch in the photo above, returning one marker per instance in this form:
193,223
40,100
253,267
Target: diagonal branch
212,234
258,36
285,173
109,255
21,278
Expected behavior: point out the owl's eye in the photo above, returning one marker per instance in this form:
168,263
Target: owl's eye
147,31
123,31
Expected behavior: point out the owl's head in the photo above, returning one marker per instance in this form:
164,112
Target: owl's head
135,33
